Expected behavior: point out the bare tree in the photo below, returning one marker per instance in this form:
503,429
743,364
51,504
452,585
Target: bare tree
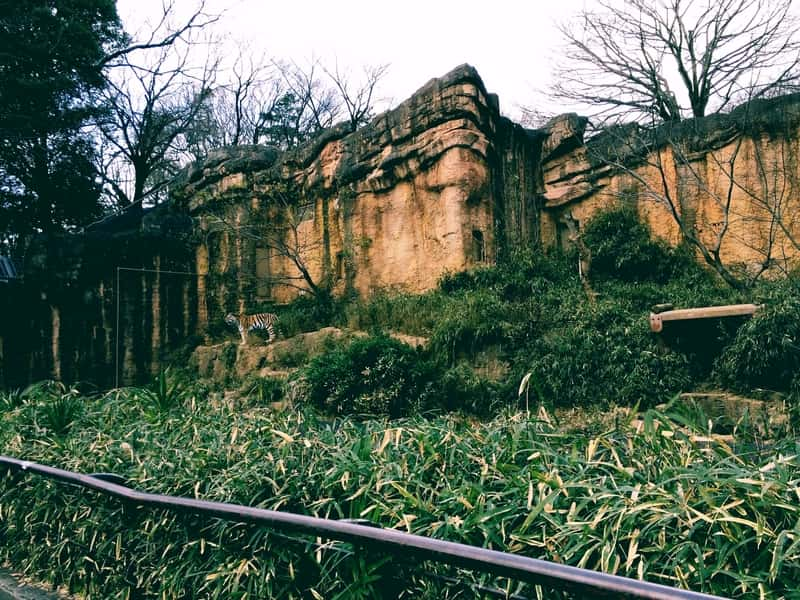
286,240
163,33
282,104
281,222
357,96
154,93
309,105
669,59
150,108
240,110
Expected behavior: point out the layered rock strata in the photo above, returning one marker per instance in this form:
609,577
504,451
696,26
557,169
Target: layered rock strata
732,180
418,192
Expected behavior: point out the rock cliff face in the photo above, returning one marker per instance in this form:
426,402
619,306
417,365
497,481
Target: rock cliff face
441,183
418,192
444,182
733,180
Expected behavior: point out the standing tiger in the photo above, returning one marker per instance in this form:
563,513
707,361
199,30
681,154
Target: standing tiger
250,322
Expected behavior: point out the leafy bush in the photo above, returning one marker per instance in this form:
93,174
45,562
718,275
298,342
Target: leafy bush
793,405
308,313
622,248
167,391
605,356
56,407
517,276
464,390
263,390
638,504
60,412
477,320
766,350
371,376
411,313
11,399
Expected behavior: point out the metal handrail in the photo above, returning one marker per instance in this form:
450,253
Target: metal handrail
504,564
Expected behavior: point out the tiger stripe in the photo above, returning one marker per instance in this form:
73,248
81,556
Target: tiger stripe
248,323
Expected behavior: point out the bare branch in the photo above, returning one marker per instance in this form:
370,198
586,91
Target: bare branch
669,59
151,106
163,34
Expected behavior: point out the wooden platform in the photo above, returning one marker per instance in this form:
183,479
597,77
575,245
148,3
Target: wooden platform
657,320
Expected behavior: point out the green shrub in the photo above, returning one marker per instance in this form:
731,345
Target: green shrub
56,406
263,390
60,412
634,503
410,313
376,375
11,399
308,313
622,248
477,320
519,275
766,350
465,391
605,355
793,405
167,391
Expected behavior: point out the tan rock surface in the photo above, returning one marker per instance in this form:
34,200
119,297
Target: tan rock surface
395,204
744,165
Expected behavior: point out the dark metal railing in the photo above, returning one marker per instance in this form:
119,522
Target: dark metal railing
583,582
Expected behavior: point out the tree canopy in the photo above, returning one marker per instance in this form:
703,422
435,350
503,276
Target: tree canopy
93,120
50,74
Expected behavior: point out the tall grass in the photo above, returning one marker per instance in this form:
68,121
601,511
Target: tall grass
650,504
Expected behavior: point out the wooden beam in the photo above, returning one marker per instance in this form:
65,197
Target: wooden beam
657,320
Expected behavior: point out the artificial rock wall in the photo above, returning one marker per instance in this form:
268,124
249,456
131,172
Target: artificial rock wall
444,183
441,183
106,307
732,179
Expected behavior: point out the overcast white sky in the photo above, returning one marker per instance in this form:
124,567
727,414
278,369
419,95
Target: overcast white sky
511,43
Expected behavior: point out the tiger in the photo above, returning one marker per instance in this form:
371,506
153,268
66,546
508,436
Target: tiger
250,322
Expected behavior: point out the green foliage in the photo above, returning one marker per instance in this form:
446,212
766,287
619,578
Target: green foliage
56,407
166,392
475,321
11,399
263,390
622,248
50,73
503,306
523,273
462,389
308,313
532,311
766,350
640,504
411,313
793,405
605,355
376,375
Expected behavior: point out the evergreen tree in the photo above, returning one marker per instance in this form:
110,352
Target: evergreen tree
52,54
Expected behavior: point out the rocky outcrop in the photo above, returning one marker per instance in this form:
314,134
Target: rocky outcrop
416,193
280,357
264,360
441,183
734,176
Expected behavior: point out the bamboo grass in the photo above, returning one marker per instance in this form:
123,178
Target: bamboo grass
651,504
